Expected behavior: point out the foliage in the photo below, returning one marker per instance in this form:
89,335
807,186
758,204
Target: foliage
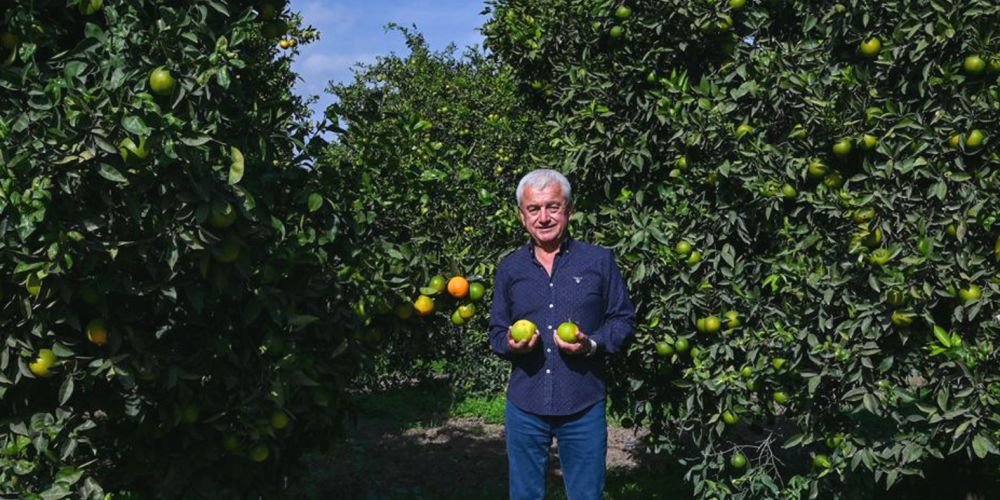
175,214
862,276
431,148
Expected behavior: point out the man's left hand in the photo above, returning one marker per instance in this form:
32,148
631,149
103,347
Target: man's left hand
581,347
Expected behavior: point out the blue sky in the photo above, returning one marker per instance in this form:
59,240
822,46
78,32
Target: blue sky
352,31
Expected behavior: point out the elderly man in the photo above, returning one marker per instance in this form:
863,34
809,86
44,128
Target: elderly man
557,388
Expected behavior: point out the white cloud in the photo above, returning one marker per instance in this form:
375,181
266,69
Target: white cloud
328,17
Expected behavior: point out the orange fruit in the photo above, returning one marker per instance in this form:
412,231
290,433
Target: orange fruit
97,332
458,287
424,305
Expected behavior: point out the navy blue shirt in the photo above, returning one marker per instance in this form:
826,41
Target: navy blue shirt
586,288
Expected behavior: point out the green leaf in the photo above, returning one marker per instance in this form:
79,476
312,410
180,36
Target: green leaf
136,126
315,202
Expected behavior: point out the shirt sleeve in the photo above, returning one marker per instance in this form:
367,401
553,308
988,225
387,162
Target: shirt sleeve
500,313
619,317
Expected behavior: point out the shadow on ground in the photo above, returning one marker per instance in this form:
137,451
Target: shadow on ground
406,448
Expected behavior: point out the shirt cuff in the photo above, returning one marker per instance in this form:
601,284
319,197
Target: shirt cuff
593,348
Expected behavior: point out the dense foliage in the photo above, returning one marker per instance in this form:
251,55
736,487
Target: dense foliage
428,160
169,305
803,196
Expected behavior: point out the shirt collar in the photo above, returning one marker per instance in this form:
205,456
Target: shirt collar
564,247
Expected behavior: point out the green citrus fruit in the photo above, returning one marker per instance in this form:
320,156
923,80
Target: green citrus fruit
843,147
227,251
567,332
438,283
712,324
466,311
778,363
279,419
522,330
682,247
821,461
868,142
161,82
694,257
682,345
457,319
780,397
974,139
663,348
222,215
732,319
730,418
789,192
970,294
45,359
623,12
974,65
743,130
476,291
871,47
738,461
616,32
89,7
737,4
259,452
817,169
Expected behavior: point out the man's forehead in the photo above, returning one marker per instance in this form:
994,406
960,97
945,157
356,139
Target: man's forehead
549,192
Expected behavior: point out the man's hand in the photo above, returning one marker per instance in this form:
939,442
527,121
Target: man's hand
581,347
523,346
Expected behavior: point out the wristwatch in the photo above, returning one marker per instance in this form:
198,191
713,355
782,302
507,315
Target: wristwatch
593,348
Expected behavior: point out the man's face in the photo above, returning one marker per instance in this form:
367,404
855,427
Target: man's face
544,213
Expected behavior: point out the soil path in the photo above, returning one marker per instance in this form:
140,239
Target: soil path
463,458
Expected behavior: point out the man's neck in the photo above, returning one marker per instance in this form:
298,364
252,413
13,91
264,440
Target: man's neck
549,249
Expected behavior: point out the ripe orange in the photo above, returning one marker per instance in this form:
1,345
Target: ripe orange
97,332
424,305
458,287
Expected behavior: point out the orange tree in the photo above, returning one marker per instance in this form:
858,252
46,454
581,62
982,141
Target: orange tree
803,196
169,298
427,163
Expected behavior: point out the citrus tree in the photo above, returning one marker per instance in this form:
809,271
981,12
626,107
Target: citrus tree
169,296
427,162
803,196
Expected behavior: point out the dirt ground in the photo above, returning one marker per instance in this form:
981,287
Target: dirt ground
462,458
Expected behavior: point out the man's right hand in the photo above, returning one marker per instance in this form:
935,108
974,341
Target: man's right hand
522,346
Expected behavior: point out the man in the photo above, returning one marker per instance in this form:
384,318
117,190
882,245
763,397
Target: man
557,388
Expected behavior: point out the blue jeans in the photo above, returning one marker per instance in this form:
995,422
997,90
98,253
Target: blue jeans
583,447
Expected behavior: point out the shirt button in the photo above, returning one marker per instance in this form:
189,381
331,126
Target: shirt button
548,371
551,284
550,327
551,306
548,349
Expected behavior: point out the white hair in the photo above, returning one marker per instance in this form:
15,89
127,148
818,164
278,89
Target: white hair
539,179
